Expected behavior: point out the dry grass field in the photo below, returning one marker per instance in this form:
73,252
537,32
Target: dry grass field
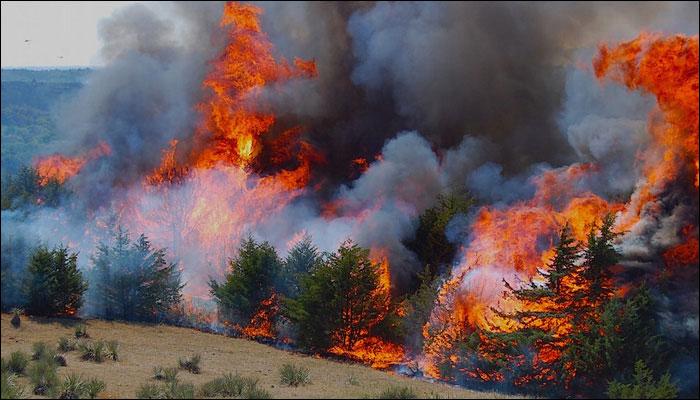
142,347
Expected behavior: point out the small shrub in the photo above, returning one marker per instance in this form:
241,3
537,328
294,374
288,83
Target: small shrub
257,393
228,385
41,351
9,386
150,391
180,390
17,362
92,351
93,387
72,388
292,375
81,331
165,374
43,377
352,379
16,321
190,364
113,350
66,344
398,392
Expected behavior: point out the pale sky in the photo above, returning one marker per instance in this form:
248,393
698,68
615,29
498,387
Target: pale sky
53,30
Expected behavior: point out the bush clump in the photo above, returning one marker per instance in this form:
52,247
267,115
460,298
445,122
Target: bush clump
41,351
43,377
16,321
113,350
75,387
230,385
16,363
66,344
168,374
9,387
171,390
643,385
81,331
292,375
92,351
398,392
190,364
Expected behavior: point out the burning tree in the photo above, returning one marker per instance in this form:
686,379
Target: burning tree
54,285
250,282
340,302
133,281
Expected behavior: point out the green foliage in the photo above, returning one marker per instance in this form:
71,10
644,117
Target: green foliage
291,375
231,385
167,374
302,258
41,351
418,308
398,392
340,301
252,277
72,387
16,363
93,387
625,330
190,364
54,284
9,387
430,243
643,386
150,391
113,350
66,344
92,350
80,331
24,189
43,377
133,281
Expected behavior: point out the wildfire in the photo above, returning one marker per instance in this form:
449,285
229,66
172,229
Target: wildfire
512,243
61,168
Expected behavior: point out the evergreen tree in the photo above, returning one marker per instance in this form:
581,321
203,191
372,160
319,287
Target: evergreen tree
133,281
302,258
643,386
252,278
341,301
54,285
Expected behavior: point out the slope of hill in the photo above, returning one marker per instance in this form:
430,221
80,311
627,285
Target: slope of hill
145,346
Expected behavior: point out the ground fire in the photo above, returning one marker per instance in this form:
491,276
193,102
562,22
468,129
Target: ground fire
506,309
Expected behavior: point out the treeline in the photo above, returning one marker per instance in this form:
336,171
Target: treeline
128,280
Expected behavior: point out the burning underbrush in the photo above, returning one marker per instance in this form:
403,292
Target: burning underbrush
249,239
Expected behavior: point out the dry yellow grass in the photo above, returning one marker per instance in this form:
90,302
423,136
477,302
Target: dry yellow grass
145,346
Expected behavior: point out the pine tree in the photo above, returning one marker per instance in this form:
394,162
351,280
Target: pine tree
252,277
340,301
54,285
302,258
134,281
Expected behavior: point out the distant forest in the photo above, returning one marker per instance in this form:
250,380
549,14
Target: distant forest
29,101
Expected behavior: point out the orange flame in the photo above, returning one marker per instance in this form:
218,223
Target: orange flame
61,168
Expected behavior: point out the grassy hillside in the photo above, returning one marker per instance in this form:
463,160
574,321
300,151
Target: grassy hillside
146,346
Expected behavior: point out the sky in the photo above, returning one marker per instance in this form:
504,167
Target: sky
53,34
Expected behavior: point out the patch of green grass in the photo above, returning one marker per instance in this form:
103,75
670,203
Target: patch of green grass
9,387
352,379
72,387
16,363
43,377
92,351
172,390
93,387
41,351
190,364
113,350
81,332
168,374
398,392
66,344
150,391
292,375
